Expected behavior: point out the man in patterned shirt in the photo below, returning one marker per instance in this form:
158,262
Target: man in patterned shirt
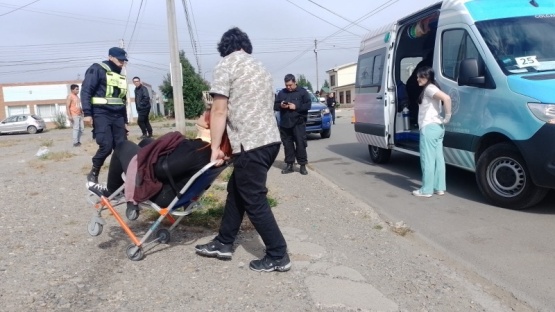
243,103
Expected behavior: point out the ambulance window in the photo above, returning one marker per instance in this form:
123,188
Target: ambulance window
370,71
407,66
456,46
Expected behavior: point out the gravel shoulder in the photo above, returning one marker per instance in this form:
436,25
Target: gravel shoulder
344,256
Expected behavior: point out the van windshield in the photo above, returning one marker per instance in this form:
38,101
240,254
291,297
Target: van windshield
521,44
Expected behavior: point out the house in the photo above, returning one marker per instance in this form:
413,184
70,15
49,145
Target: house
342,82
47,99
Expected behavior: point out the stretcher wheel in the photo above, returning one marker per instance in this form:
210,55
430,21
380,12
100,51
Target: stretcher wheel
134,253
132,212
163,236
94,228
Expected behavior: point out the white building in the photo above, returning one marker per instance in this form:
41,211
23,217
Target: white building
342,82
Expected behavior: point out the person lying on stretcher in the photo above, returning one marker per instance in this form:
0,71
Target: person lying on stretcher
157,169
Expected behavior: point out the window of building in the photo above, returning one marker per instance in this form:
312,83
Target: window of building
332,80
17,110
348,96
46,110
341,97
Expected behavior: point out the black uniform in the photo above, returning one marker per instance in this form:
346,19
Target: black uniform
330,102
292,126
108,120
142,103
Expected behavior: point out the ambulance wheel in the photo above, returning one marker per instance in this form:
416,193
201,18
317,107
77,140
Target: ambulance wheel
504,179
94,228
163,236
132,212
134,253
379,155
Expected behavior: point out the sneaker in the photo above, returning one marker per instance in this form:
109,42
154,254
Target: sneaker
439,192
215,249
418,193
77,144
92,178
98,189
267,264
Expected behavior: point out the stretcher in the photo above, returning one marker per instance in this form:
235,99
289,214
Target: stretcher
185,202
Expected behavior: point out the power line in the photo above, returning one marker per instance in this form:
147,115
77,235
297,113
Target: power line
136,21
367,15
19,8
191,34
128,18
338,15
319,17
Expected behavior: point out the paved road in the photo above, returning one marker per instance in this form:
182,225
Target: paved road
513,249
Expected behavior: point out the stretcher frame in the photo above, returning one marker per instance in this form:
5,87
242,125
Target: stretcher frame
187,198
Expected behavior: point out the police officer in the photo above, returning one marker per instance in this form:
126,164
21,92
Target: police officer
293,104
103,98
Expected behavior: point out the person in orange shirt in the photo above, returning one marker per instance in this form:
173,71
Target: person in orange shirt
75,114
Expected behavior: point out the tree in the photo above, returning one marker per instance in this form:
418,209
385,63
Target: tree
303,82
326,84
193,85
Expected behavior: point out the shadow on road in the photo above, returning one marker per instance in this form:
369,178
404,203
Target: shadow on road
405,169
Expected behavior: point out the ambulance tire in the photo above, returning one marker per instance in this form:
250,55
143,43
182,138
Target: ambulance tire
379,155
504,179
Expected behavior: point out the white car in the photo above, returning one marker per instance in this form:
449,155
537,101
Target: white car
22,123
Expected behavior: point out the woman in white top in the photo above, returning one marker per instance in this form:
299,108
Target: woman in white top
432,131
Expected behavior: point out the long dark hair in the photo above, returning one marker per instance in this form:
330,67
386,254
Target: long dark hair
428,73
234,40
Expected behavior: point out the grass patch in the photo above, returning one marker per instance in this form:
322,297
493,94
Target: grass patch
57,156
226,174
47,143
272,202
378,227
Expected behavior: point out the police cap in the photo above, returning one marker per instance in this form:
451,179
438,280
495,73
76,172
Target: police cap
118,53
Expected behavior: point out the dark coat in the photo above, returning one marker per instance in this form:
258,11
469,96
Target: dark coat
301,99
142,100
94,85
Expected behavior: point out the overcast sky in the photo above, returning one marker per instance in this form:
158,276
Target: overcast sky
54,40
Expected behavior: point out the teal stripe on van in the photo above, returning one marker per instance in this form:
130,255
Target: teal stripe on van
484,10
459,158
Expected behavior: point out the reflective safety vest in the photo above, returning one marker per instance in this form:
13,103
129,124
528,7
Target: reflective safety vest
114,80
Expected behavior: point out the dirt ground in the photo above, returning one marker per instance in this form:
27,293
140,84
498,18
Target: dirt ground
344,257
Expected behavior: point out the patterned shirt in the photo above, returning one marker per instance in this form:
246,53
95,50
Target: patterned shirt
251,122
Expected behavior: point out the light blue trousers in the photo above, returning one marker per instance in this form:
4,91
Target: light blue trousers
431,158
78,126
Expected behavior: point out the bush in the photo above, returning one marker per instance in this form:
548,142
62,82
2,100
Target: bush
60,120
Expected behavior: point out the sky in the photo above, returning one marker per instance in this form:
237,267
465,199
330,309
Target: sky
56,40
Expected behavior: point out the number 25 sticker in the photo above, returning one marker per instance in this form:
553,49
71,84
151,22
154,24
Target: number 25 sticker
527,61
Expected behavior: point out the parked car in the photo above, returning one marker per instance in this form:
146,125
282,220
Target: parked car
22,123
318,118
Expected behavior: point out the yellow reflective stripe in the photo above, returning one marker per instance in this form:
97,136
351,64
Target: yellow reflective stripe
106,101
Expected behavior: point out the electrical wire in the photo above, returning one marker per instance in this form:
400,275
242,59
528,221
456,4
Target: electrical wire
332,12
19,8
128,18
191,35
318,17
135,26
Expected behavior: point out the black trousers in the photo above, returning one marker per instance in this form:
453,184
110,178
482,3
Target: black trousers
108,131
294,143
182,163
332,112
144,124
247,194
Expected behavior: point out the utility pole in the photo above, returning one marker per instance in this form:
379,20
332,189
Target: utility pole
175,70
316,54
128,109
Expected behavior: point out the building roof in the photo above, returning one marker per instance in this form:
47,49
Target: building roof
334,69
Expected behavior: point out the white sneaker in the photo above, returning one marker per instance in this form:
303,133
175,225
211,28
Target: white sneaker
439,192
418,193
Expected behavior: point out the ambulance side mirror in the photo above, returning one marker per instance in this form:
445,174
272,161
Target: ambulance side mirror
471,73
